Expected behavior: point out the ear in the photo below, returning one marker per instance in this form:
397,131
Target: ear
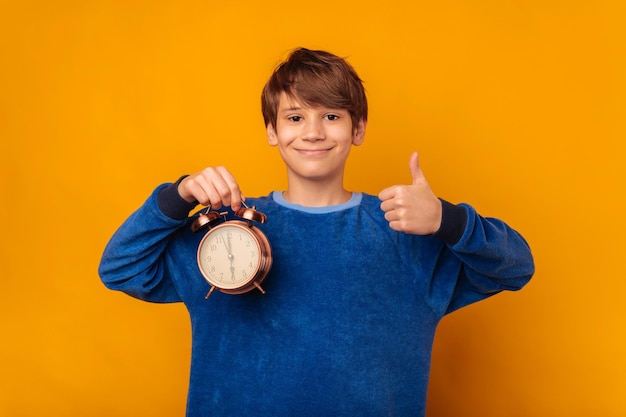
358,133
271,135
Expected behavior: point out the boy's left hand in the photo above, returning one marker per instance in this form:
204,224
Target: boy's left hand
412,208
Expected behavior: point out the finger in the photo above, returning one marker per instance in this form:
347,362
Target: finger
414,166
221,187
231,193
191,190
386,206
387,194
206,187
391,215
205,192
214,198
395,225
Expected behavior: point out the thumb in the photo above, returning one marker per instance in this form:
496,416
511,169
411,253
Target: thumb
414,166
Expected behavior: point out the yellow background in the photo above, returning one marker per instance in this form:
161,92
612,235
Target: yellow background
517,107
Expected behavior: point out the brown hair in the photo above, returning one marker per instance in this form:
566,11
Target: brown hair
316,78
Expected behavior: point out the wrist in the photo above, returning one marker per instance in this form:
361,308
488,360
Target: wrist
172,204
453,222
180,188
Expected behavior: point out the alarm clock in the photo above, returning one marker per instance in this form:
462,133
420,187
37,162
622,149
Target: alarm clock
234,256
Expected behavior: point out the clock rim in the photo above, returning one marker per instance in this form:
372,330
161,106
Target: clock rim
263,265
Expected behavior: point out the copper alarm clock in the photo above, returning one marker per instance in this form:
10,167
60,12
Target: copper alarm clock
234,256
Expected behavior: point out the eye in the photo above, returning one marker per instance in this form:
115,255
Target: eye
294,118
332,117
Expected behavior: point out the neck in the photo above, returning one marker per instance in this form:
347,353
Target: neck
315,194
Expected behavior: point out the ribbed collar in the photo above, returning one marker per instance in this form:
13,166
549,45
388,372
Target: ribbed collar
354,200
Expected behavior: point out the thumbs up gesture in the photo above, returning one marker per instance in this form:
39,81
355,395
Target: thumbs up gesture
412,208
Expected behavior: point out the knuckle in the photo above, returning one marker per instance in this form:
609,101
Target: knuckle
190,181
401,190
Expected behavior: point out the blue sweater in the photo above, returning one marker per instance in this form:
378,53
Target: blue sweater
348,319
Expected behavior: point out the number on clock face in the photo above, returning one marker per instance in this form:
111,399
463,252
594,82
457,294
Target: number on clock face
229,256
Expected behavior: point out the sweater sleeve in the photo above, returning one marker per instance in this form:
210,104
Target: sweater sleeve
172,204
494,257
453,222
134,258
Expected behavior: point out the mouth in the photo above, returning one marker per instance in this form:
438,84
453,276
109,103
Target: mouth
313,152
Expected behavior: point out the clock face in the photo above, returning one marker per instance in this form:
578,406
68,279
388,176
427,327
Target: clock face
229,256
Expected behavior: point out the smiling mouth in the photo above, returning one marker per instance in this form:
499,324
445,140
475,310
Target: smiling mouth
313,152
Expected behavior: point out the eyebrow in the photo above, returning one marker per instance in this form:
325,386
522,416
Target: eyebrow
298,108
292,108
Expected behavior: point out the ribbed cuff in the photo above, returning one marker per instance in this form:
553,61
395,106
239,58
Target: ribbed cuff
453,222
172,204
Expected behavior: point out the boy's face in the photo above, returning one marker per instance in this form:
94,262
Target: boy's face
314,142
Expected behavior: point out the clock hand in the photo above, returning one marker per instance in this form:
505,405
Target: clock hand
231,257
226,245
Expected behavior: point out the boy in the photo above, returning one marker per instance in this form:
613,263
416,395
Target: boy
358,282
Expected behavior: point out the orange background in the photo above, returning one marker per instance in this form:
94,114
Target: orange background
517,107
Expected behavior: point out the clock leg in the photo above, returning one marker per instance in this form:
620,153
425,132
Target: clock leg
256,284
206,297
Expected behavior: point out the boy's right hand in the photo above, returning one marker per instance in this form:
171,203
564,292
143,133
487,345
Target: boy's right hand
214,186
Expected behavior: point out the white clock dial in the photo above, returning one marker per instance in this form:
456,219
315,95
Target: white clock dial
229,256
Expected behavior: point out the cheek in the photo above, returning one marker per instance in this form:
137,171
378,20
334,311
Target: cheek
287,135
343,135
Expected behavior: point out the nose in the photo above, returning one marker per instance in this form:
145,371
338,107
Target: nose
313,130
